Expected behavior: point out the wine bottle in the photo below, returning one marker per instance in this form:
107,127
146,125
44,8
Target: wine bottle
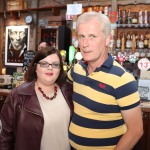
133,42
145,18
149,43
140,17
124,16
118,42
129,16
141,42
134,19
119,16
123,43
128,41
137,40
146,41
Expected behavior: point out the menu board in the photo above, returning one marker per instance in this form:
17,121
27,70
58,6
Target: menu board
28,56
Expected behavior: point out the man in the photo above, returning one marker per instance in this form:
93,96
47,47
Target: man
107,113
43,44
17,46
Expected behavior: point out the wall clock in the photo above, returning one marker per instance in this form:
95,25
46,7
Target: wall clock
28,19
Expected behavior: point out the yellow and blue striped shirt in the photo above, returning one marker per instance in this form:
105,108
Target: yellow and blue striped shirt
99,97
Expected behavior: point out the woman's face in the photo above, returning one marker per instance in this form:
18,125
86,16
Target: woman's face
48,75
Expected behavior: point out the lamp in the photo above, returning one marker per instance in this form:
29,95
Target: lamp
3,71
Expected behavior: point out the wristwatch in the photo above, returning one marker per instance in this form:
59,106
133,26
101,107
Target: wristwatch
28,19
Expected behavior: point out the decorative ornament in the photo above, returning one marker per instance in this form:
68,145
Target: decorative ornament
144,64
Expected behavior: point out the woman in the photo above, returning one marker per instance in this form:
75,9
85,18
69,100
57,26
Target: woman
36,115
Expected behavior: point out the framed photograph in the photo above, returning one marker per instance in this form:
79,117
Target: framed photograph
16,44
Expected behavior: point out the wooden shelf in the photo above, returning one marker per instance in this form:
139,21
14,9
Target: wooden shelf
133,26
48,8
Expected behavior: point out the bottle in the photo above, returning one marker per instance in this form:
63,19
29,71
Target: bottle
134,19
133,42
145,18
95,9
149,43
123,43
124,16
106,10
140,17
137,40
101,10
90,9
129,16
146,41
118,42
119,17
128,41
141,42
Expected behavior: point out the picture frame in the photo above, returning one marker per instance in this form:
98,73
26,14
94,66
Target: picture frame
16,43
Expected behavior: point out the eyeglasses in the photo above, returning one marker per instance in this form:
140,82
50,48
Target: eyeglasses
45,64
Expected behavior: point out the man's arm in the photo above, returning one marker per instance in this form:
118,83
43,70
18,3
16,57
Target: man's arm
134,123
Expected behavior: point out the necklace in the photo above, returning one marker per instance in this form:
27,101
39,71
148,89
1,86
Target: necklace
44,95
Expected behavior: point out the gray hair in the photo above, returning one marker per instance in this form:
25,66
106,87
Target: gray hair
103,19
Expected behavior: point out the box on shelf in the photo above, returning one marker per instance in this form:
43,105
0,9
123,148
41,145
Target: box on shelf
56,20
6,81
14,5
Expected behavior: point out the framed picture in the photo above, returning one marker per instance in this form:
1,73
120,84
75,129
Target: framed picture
16,44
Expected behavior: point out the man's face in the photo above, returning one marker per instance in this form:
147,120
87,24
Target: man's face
92,41
43,44
17,38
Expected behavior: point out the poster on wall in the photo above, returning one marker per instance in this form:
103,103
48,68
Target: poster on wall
16,44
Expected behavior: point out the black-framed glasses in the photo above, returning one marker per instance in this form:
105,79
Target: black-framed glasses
45,64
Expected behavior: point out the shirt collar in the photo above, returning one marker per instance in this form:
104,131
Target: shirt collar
107,64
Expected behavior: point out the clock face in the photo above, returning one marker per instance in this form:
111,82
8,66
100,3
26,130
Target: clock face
28,19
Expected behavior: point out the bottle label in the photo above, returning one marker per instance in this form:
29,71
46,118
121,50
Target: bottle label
145,42
128,44
141,44
140,19
118,43
134,20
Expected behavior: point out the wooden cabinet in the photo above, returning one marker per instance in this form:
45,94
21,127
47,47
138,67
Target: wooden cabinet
144,142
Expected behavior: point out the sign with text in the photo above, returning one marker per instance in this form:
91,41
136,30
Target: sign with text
28,56
74,9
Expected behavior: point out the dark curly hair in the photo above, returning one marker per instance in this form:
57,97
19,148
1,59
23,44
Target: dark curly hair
31,75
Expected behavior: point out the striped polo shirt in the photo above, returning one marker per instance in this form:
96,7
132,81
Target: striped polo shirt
98,98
